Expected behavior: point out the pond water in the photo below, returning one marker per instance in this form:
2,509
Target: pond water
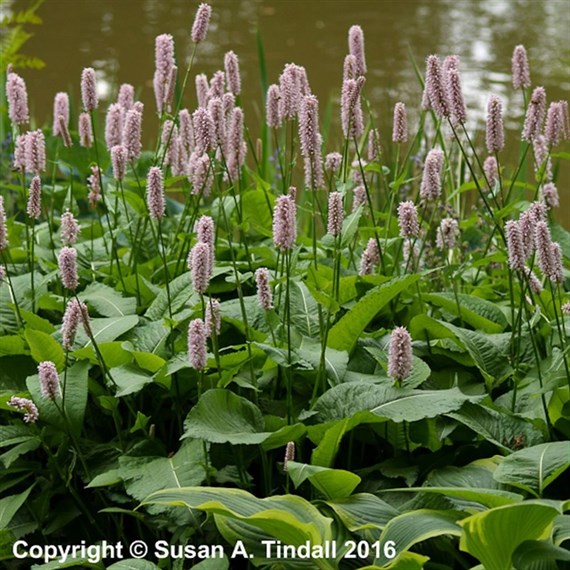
117,38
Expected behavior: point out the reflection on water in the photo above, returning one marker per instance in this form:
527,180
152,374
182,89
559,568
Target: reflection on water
117,38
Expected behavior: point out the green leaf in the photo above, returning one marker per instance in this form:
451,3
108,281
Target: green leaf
344,334
220,416
12,344
532,552
304,310
534,468
37,323
108,329
332,483
336,361
502,429
9,506
180,294
479,313
134,564
485,349
363,511
492,536
289,518
146,475
44,347
130,380
413,527
108,302
422,404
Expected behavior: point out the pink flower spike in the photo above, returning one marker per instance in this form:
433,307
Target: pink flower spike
197,350
89,89
201,21
155,193
400,354
68,268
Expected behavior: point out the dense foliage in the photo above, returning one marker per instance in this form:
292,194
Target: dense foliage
212,346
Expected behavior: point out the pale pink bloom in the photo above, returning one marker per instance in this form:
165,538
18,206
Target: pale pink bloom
543,243
201,21
17,96
186,129
94,184
114,126
34,208
85,130
515,245
169,139
163,76
31,415
201,174
88,89
126,97
155,193
336,214
360,198
408,220
206,233
2,274
520,67
197,350
236,145
491,170
202,89
309,125
494,134
400,126
400,354
435,87
216,110
119,161
370,258
456,102
534,115
566,308
132,133
199,262
351,108
20,152
264,296
333,161
289,455
49,380
75,312
64,132
526,225
70,229
557,274
293,85
35,152
231,65
213,317
272,112
541,157
430,188
447,234
533,281
284,223
203,130
373,145
68,268
554,128
349,68
356,48
565,119
60,108
217,85
549,194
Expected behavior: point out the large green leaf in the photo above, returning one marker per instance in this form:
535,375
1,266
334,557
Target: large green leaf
500,428
304,310
146,475
534,468
486,351
75,398
422,404
221,416
479,313
107,329
108,302
492,536
335,361
181,293
408,529
344,334
44,347
332,483
363,511
537,554
289,518
9,506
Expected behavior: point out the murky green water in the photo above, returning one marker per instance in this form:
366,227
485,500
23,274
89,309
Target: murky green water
117,38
